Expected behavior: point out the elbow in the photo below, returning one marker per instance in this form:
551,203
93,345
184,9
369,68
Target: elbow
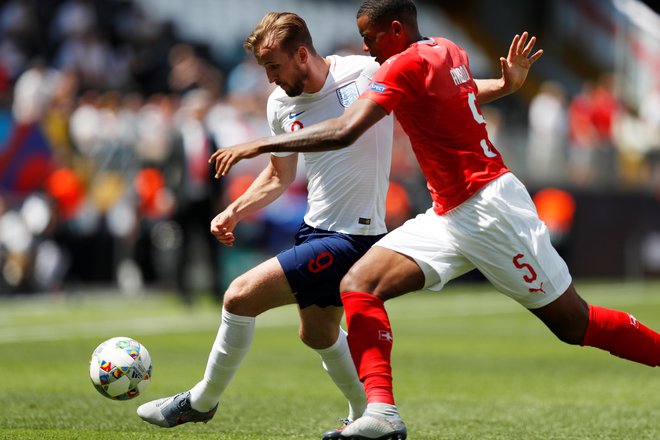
285,180
345,135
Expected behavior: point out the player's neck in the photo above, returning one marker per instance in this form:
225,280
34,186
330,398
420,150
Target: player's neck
414,38
320,67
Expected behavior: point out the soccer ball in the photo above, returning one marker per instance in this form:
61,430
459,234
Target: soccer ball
120,368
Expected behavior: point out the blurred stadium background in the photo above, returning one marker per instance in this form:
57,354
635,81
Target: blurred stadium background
109,109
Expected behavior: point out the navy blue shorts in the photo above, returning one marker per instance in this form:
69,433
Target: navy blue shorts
318,261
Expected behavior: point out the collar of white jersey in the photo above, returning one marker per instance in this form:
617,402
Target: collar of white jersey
427,40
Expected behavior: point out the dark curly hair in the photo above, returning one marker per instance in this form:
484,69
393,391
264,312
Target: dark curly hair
385,11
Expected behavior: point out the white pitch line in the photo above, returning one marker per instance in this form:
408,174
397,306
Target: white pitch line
126,327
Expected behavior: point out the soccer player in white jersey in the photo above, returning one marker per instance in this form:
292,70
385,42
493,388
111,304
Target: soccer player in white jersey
345,215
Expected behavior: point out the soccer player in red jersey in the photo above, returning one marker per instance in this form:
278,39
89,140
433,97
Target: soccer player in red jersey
482,216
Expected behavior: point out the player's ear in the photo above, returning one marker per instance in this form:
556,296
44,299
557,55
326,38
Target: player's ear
396,28
302,54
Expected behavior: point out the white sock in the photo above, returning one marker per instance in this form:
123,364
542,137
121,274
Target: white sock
230,347
383,409
338,362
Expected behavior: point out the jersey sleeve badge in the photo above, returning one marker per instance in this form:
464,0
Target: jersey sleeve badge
378,88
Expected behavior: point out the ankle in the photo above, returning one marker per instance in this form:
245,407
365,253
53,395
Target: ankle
382,409
200,399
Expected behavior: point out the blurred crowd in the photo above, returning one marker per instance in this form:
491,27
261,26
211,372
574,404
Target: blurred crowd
107,123
107,120
593,139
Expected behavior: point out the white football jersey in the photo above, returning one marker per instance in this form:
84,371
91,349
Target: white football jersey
346,188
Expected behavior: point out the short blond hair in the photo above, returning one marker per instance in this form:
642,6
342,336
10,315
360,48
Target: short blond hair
285,30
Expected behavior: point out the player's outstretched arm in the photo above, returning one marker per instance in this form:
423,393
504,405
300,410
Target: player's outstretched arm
331,134
266,188
515,68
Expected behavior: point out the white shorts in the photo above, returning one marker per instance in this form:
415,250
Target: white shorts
497,231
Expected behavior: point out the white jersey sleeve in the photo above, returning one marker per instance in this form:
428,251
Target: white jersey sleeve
272,110
346,188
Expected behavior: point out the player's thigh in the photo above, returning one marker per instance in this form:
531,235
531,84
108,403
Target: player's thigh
420,254
385,273
319,326
259,289
499,230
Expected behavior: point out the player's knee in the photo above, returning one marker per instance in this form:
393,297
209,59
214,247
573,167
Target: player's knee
571,331
362,280
570,336
318,338
355,284
235,299
567,317
347,284
353,281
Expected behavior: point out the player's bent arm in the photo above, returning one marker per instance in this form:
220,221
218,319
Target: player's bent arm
331,134
267,187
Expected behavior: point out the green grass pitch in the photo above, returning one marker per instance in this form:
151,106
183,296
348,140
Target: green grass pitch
468,363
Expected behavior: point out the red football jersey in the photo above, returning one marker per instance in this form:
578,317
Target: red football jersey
433,95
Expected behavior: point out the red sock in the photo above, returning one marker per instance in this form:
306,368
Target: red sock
622,335
370,342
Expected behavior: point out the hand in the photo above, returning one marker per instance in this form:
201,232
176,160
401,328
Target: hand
516,65
227,157
222,227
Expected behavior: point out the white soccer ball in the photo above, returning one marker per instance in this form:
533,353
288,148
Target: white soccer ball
120,368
